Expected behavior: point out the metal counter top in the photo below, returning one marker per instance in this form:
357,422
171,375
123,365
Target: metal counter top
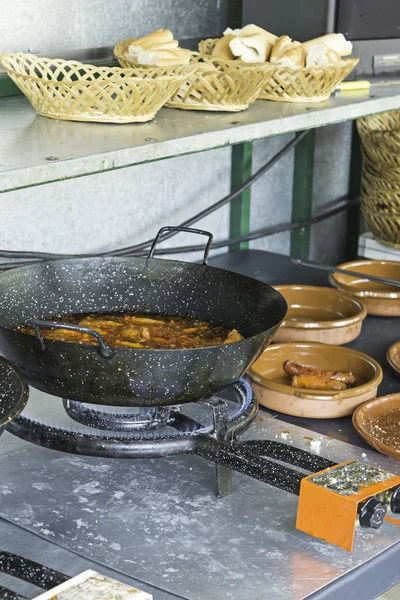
159,523
36,150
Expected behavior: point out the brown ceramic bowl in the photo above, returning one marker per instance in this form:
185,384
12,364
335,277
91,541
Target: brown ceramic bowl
365,415
379,299
319,314
272,386
393,358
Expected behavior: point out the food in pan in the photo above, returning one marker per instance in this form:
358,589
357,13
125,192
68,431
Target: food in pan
254,44
311,378
140,330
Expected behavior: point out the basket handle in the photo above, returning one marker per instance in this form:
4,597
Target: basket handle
187,230
38,324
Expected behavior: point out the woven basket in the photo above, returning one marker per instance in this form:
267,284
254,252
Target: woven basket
298,85
384,226
383,122
215,85
387,202
73,91
373,183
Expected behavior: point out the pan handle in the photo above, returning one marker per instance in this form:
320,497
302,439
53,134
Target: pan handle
38,324
187,230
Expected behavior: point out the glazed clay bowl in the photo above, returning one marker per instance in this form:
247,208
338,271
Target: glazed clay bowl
365,415
393,358
272,386
319,314
379,299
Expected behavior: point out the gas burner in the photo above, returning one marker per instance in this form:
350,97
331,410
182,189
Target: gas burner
207,428
162,431
144,420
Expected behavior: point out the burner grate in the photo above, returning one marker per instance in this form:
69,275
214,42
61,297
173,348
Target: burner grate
146,419
150,434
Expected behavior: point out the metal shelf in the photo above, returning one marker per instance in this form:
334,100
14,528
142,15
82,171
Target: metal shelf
35,150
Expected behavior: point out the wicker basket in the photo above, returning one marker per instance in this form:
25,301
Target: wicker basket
215,85
380,194
383,122
73,91
297,85
387,202
384,226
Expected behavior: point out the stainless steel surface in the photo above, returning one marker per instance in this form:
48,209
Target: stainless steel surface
160,522
35,150
30,545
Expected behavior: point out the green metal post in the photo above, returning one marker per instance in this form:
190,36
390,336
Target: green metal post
240,206
353,213
302,194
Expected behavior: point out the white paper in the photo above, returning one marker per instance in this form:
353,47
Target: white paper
94,586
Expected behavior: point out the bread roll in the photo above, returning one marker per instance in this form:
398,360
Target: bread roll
283,48
252,30
251,48
222,49
334,41
294,58
160,36
319,55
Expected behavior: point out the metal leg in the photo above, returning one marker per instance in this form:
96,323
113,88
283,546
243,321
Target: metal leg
302,194
353,214
220,417
240,206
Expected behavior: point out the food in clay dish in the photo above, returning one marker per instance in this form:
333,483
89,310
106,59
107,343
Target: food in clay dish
311,378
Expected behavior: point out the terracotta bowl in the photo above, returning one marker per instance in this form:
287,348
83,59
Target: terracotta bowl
393,358
379,299
367,413
319,314
272,386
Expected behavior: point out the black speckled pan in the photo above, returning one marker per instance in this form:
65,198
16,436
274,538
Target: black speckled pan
134,377
14,393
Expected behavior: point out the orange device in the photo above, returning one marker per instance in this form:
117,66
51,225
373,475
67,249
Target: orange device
333,502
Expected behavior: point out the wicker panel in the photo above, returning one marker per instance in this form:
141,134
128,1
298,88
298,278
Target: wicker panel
306,85
388,202
388,121
297,85
384,226
215,85
207,46
70,90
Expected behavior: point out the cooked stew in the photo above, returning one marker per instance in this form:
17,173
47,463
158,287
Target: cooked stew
140,331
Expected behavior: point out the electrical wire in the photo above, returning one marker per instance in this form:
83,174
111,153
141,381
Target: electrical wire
339,207
132,250
267,231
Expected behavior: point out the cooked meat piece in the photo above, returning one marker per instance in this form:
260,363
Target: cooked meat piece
310,382
145,333
293,368
233,336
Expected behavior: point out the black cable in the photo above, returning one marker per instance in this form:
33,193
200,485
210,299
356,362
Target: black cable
207,211
265,232
141,246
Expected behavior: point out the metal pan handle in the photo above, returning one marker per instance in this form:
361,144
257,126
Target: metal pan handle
187,230
38,324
